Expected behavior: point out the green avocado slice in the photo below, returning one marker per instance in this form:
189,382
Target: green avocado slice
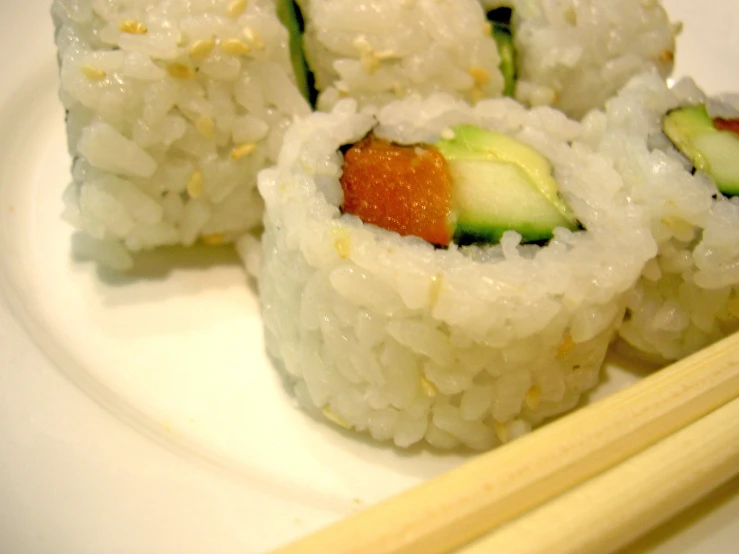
501,184
713,151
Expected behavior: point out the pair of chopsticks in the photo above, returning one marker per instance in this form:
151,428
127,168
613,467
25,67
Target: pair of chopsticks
590,482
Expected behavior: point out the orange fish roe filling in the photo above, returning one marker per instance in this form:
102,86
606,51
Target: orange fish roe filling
727,125
406,189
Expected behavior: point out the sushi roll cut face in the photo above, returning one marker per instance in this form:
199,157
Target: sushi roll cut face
392,333
469,188
711,143
678,150
172,108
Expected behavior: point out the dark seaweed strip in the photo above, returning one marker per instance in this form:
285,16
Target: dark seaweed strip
291,17
502,15
310,78
502,32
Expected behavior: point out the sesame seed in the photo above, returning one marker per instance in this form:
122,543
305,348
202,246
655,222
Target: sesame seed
236,8
428,387
342,244
195,186
254,38
362,44
667,56
235,47
202,48
331,416
480,75
214,240
386,55
93,73
205,126
370,62
180,71
342,87
565,346
533,397
132,27
243,150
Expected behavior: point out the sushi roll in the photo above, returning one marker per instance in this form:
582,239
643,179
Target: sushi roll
376,51
678,150
572,55
575,54
400,303
172,108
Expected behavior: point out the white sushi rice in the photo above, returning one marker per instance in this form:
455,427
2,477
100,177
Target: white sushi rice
575,54
379,50
386,335
172,108
688,296
572,54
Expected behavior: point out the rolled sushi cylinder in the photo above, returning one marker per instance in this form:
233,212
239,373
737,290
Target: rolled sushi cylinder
172,108
679,153
426,332
575,54
376,51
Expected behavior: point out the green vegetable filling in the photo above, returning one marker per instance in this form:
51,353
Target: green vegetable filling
502,31
711,150
501,184
291,17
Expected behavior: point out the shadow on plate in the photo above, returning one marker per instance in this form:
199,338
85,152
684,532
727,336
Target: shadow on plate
634,361
161,263
202,266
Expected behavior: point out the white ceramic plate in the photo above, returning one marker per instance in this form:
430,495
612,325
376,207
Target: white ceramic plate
139,414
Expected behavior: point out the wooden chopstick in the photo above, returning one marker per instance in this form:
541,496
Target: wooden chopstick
465,503
616,507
